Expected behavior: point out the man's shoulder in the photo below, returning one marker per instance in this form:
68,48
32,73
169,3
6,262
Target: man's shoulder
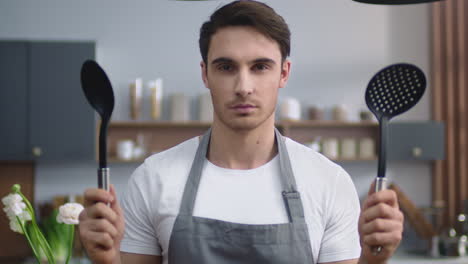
181,151
311,166
163,165
300,152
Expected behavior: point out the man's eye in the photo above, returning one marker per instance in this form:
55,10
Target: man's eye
260,67
225,67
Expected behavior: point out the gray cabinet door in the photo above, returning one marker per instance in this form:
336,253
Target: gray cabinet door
62,124
416,141
13,101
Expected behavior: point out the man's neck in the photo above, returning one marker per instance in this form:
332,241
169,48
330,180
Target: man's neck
242,149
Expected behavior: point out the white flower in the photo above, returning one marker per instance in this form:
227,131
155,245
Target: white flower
13,204
15,226
11,198
9,212
25,216
69,212
15,207
18,208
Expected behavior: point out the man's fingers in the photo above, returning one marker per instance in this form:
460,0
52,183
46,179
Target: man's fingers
381,225
112,190
104,226
95,195
100,240
385,253
83,216
382,238
115,203
385,196
101,210
371,189
382,210
96,239
101,226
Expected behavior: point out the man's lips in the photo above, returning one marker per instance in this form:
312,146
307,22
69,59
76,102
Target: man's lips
243,108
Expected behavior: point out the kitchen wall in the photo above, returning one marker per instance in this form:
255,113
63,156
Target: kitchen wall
337,45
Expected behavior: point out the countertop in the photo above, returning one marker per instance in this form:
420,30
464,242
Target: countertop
415,259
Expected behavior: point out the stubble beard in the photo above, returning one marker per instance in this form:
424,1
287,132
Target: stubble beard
242,123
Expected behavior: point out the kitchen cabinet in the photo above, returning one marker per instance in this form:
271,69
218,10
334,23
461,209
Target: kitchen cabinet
426,137
44,114
13,100
416,141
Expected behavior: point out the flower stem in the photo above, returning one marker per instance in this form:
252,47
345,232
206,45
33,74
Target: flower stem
29,239
38,234
70,245
45,245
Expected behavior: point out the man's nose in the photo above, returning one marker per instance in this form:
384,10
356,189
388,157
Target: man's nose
244,85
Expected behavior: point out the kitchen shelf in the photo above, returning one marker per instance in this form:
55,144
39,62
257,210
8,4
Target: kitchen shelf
117,160
355,160
280,124
326,123
149,124
159,136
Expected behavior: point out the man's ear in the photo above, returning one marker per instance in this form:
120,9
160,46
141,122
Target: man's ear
285,70
204,70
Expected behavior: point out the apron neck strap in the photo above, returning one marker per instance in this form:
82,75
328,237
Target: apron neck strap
191,187
291,197
287,175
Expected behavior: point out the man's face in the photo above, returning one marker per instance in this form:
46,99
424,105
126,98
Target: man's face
243,73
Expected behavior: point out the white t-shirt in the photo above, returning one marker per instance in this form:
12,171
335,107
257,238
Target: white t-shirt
154,194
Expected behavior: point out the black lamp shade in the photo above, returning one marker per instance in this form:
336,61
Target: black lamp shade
395,2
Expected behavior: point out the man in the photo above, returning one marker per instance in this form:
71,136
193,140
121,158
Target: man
242,193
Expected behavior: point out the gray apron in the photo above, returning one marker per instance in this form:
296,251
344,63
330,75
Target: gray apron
200,240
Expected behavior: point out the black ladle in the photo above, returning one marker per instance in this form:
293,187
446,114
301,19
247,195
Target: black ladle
98,90
391,92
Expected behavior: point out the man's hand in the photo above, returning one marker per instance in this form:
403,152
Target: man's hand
380,224
101,227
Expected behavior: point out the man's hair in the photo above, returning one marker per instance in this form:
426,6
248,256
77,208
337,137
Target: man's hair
254,14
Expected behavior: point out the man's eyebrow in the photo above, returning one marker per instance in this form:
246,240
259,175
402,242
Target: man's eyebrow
228,60
264,60
222,60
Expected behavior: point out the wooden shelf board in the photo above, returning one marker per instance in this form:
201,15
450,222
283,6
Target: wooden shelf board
325,123
302,123
171,133
353,160
150,124
117,160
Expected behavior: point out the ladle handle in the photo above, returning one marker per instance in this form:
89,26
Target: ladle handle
383,147
381,180
103,178
380,184
103,145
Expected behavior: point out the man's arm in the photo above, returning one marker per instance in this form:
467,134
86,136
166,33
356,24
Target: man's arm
380,224
101,225
101,230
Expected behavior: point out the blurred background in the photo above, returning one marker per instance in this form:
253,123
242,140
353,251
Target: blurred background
337,46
